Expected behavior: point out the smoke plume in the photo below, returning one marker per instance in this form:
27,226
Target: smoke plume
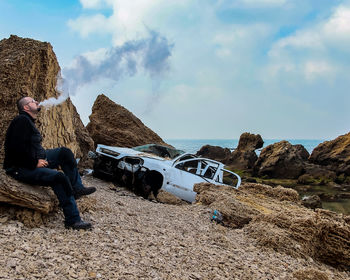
62,89
150,54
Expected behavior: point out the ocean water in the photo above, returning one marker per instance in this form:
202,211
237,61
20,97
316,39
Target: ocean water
193,145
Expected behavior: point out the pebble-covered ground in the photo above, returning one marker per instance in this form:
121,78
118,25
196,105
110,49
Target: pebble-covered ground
134,238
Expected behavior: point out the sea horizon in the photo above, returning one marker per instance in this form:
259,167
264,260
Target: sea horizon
194,145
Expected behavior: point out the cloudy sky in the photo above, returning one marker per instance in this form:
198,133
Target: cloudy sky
202,68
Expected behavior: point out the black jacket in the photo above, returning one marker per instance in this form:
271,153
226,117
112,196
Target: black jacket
23,143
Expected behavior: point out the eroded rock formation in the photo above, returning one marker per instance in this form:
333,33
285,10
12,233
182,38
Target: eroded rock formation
244,156
214,152
334,154
13,192
281,160
30,68
111,124
275,218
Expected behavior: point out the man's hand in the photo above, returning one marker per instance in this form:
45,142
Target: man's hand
42,163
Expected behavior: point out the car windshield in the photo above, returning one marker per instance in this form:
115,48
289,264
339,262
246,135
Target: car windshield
159,150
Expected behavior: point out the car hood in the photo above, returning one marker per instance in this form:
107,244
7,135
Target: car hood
130,152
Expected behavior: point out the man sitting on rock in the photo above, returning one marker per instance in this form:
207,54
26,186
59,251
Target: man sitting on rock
27,161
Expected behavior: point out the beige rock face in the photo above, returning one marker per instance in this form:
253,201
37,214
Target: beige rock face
244,156
275,219
214,152
281,160
334,154
111,124
29,68
39,198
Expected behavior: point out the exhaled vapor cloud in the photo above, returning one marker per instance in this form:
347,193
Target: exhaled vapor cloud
150,54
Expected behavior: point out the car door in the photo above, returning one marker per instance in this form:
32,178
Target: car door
181,178
229,178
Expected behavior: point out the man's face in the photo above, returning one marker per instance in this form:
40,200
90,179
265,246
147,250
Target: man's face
31,106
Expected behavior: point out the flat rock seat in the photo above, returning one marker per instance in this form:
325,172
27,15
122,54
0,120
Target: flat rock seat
38,198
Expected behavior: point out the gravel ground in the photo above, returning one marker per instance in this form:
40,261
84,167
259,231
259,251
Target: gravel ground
134,238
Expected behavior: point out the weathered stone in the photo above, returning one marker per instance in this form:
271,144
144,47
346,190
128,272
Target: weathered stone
214,152
310,274
312,202
111,124
168,198
244,156
249,142
281,160
275,219
38,198
319,171
334,154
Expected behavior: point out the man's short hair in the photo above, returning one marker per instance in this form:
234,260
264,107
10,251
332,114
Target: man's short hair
21,103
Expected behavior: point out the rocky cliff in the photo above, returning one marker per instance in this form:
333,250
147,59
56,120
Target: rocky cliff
334,154
214,152
111,124
281,160
30,68
244,157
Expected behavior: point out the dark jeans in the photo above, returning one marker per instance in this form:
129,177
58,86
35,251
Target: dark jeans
63,184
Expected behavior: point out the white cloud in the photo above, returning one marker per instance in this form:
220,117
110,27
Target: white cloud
307,48
337,29
316,69
129,19
87,25
251,4
95,4
96,57
264,2
240,37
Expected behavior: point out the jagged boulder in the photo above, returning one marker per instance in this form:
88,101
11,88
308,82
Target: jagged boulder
214,152
281,160
316,173
244,156
111,124
275,218
334,154
30,68
312,201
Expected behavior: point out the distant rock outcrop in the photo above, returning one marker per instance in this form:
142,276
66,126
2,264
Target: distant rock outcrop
275,218
111,124
30,68
281,160
334,154
244,156
214,152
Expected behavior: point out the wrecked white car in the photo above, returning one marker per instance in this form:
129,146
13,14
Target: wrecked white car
150,168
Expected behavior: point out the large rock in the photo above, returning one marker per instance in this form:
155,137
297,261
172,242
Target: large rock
244,156
334,154
275,218
214,152
30,68
281,160
111,124
318,172
39,198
